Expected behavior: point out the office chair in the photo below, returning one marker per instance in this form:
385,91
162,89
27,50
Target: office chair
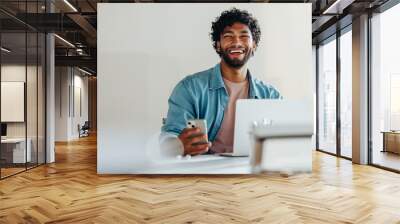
84,130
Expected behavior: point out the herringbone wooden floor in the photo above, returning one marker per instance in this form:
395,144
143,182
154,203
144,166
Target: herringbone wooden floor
70,191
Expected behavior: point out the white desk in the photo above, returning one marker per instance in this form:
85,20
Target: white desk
202,164
18,150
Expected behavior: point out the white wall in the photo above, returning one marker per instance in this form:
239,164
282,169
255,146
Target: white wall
67,84
80,115
154,46
62,80
15,72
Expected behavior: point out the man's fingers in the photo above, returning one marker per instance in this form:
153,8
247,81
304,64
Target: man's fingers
198,149
189,131
194,141
198,139
200,145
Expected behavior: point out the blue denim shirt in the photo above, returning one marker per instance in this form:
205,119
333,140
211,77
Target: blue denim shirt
203,96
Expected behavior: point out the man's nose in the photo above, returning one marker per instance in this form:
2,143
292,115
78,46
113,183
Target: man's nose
236,41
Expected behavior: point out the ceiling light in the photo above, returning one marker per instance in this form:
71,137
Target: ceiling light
65,41
70,5
337,7
5,50
84,71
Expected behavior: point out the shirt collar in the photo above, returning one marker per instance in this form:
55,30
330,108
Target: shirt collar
217,82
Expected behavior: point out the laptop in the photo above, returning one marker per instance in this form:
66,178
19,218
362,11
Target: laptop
281,112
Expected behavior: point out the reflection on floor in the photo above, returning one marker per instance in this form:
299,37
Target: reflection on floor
386,159
346,152
10,169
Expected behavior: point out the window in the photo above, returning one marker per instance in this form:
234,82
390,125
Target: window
346,94
385,89
327,97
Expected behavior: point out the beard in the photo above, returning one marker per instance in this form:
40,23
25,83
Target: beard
236,63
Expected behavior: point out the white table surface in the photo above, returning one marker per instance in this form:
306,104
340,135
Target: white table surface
19,151
13,140
201,164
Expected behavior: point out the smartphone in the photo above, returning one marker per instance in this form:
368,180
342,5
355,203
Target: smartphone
199,123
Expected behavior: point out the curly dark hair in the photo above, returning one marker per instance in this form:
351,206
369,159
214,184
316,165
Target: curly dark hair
228,18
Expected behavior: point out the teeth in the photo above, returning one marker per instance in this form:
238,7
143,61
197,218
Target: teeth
236,51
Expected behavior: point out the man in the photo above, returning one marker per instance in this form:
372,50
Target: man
212,94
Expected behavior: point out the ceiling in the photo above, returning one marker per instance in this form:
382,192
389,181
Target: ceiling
76,22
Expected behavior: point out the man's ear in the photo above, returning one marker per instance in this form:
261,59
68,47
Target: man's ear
218,47
254,49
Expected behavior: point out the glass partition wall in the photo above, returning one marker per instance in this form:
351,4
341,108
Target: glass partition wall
22,88
13,90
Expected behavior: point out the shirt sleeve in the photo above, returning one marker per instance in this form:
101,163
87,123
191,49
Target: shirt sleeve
274,93
180,109
170,145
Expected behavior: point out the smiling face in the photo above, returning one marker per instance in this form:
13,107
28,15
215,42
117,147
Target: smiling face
236,45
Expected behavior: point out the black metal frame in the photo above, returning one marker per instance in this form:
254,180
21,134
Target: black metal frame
317,97
369,82
338,98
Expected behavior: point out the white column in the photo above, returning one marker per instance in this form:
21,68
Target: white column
50,92
50,100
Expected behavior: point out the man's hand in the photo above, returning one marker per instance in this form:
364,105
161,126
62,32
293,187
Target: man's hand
194,141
